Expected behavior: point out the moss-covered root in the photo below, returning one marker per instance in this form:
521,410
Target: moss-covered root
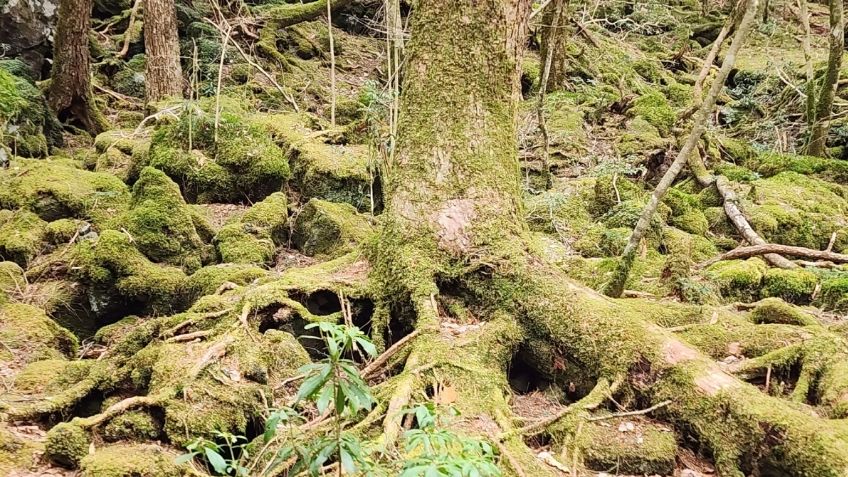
733,418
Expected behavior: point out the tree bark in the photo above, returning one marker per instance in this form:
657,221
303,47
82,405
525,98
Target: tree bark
809,73
552,48
70,94
164,76
836,45
616,285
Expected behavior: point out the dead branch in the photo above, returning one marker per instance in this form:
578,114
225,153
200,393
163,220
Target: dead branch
772,248
630,413
378,363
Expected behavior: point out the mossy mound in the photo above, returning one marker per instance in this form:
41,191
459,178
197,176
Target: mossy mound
121,153
794,209
62,231
640,138
253,238
12,280
207,280
564,211
775,310
58,189
609,192
769,164
739,279
50,375
67,444
16,453
131,460
686,212
794,286
654,108
27,126
29,335
834,293
22,235
242,164
161,224
564,122
119,277
332,172
629,446
133,425
329,229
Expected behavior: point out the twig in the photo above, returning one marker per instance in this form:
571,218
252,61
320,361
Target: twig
332,65
189,336
126,48
375,365
221,80
629,413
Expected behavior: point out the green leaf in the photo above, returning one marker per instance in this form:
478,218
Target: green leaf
182,459
348,463
216,461
323,401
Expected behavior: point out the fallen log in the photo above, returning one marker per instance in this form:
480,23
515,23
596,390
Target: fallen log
792,251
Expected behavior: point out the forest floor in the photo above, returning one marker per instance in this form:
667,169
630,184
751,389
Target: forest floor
117,249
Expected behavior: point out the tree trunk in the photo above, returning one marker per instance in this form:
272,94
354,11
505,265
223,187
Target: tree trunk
553,45
616,285
836,45
809,72
164,76
70,94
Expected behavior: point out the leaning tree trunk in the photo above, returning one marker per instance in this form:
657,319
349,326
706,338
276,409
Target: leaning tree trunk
164,76
70,94
821,124
615,287
454,230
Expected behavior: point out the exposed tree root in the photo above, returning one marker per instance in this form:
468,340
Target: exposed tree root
772,248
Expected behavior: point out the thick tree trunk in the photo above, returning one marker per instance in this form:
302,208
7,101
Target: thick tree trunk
616,285
821,125
162,48
70,94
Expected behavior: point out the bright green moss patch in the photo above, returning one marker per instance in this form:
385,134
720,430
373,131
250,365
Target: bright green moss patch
50,375
775,310
242,164
133,425
655,109
131,460
26,126
161,224
12,280
206,280
331,172
22,236
62,231
640,138
253,238
647,449
56,189
29,335
738,278
66,445
794,286
329,229
770,163
834,293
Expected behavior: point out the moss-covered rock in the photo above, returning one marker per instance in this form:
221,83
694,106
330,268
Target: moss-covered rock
119,276
253,238
607,193
11,280
769,164
332,172
129,79
122,153
565,124
206,280
161,224
655,109
739,279
131,460
29,335
794,286
328,229
63,230
640,138
22,235
133,425
50,375
775,310
242,164
834,293
57,189
67,444
26,125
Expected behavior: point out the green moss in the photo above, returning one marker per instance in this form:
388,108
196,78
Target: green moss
834,293
329,229
25,122
646,450
29,335
775,310
51,374
270,214
112,266
206,280
62,231
640,138
133,425
67,444
564,122
655,109
244,163
770,163
236,244
738,278
12,280
22,236
131,460
606,196
129,79
16,452
627,213
332,172
161,224
56,189
794,286
736,173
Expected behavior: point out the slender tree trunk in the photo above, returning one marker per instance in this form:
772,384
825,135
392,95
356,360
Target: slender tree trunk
616,285
70,94
821,125
553,46
809,72
162,48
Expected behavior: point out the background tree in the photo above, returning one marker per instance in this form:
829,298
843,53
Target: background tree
70,89
824,106
161,45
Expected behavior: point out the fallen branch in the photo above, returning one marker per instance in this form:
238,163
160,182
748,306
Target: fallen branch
757,250
189,336
378,363
630,413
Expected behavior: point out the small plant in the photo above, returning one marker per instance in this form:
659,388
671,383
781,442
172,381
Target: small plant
221,458
432,450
